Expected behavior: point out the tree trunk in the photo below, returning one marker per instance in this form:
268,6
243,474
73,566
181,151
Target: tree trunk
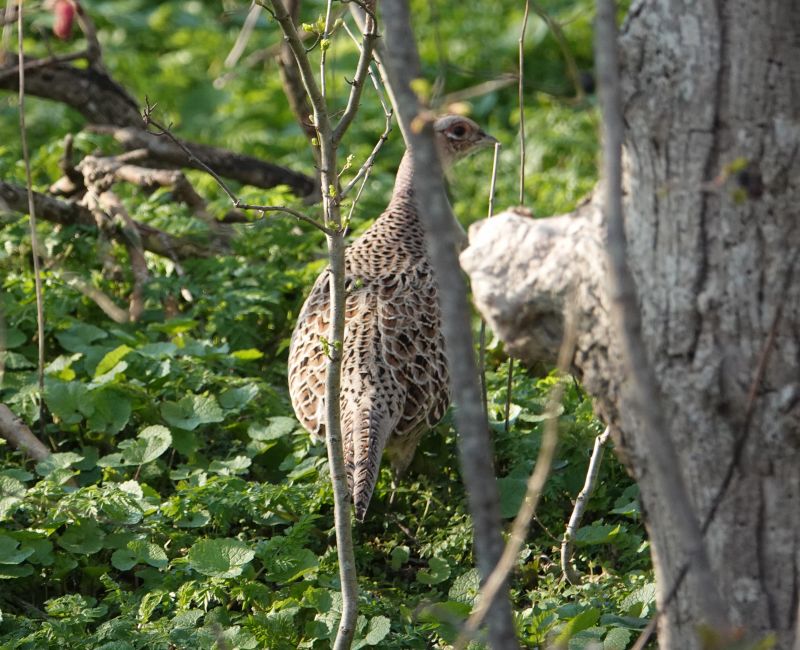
711,96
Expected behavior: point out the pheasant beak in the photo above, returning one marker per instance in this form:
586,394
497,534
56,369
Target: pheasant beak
486,140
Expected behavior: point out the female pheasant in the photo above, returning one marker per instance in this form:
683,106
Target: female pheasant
394,370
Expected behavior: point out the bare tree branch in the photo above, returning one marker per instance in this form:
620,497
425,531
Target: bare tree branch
401,67
37,274
624,311
13,197
19,436
239,167
568,543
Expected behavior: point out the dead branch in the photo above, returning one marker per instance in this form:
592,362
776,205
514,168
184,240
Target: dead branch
568,541
238,167
13,197
98,297
19,436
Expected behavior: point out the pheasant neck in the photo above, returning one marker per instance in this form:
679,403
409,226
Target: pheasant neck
403,193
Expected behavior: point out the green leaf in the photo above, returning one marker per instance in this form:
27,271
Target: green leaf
12,492
250,354
139,552
14,338
601,534
58,461
79,337
399,555
192,411
70,401
236,398
9,553
111,413
378,629
512,492
438,571
277,427
465,588
220,558
582,621
149,445
617,639
111,359
238,465
84,538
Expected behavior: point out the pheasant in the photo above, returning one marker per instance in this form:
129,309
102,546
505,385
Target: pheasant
394,370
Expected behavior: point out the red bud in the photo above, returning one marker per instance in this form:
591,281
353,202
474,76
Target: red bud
65,15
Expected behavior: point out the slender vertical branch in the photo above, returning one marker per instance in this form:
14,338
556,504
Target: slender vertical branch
401,67
482,336
521,101
328,141
626,318
568,541
37,272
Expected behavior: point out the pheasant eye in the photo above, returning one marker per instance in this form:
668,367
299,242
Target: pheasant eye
459,131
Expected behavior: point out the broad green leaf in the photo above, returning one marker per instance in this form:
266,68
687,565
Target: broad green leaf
111,413
12,492
192,411
465,588
399,555
277,427
10,572
582,621
438,571
58,461
220,558
9,553
61,366
150,444
236,398
69,401
111,359
13,338
84,538
157,350
80,336
288,565
378,629
512,492
139,552
602,534
238,465
617,639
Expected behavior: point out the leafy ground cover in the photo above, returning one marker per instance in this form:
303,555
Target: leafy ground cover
184,506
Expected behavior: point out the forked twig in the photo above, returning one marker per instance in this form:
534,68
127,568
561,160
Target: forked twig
147,116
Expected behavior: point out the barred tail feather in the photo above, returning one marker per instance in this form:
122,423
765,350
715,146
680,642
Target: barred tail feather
372,428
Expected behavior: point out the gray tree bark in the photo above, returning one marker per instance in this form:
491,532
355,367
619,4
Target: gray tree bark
711,96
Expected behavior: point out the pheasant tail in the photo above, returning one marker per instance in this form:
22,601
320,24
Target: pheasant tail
367,426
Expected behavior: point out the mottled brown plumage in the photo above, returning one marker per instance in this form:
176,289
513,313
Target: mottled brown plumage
394,370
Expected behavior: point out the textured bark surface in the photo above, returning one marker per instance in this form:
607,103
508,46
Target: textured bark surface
712,111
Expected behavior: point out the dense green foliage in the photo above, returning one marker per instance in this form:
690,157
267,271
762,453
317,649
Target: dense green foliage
185,507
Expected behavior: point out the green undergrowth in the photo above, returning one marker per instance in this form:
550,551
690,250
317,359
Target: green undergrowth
184,507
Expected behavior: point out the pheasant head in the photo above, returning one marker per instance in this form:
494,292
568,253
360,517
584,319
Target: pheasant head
457,137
